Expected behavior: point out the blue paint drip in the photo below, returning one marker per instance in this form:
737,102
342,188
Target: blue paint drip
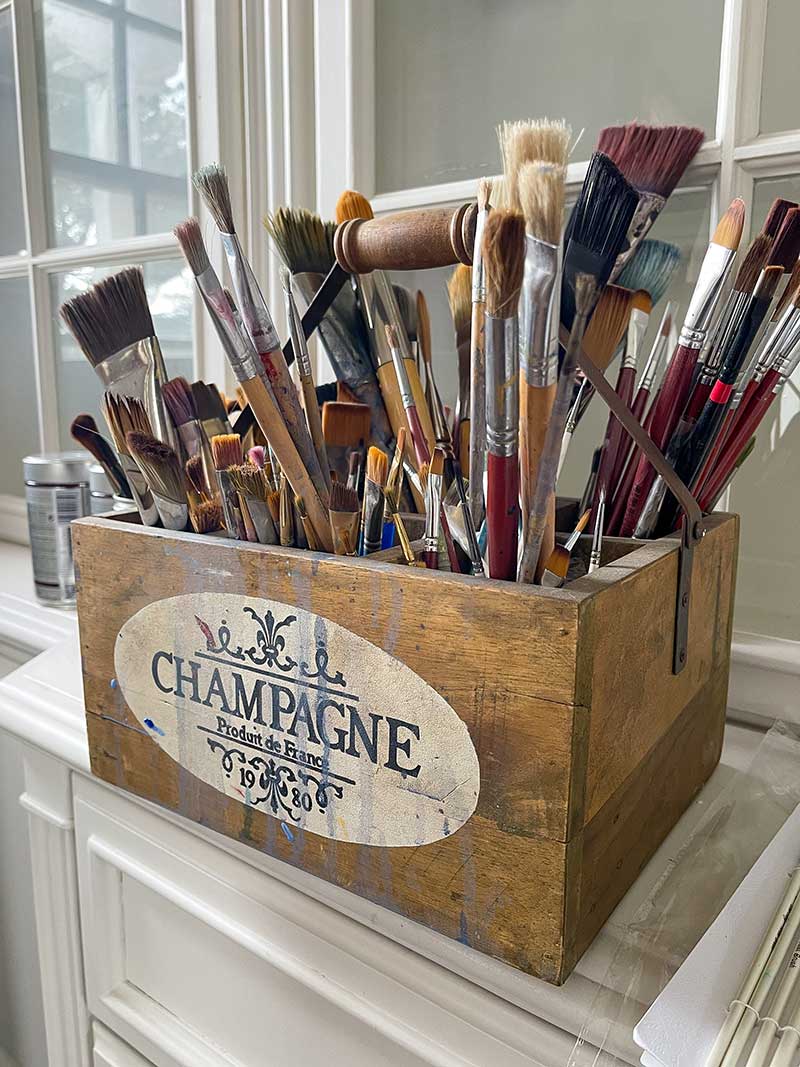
113,683
463,936
287,833
152,726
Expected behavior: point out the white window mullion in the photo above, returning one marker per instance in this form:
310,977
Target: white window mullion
44,356
33,184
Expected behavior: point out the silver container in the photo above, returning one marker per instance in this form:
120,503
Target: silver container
56,491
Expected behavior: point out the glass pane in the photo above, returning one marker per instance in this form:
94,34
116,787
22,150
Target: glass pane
19,426
764,493
114,92
12,227
169,292
780,84
447,73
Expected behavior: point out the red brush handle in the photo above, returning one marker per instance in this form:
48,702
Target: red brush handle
615,433
622,473
502,515
667,410
421,450
431,560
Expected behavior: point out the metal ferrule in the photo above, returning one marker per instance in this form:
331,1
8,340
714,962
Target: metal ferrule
597,538
238,348
375,318
538,357
647,211
775,343
230,507
195,443
656,352
132,372
262,521
502,385
637,328
249,297
372,517
142,496
727,327
174,514
297,334
403,381
391,312
787,359
649,516
478,273
710,284
433,504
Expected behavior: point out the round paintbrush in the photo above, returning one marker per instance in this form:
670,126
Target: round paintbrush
84,431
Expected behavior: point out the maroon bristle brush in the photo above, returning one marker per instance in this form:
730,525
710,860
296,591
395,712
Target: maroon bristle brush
786,246
776,215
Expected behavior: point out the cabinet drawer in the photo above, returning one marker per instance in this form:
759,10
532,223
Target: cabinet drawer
197,959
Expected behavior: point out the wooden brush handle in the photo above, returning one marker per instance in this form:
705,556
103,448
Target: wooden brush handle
502,514
387,379
314,420
280,440
535,405
407,240
615,434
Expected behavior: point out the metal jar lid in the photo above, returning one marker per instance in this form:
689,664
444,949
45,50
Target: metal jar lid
57,468
98,483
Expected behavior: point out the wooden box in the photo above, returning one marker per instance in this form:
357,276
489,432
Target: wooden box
494,761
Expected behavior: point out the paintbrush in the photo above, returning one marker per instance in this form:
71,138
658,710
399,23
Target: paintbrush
677,382
596,229
123,414
651,267
163,472
346,428
210,413
393,484
252,377
557,565
597,537
433,512
585,292
477,362
114,329
717,486
425,354
523,142
257,455
603,336
286,513
305,522
212,184
372,505
84,431
504,260
309,391
206,517
345,517
226,450
459,295
541,193
179,398
248,481
653,159
354,466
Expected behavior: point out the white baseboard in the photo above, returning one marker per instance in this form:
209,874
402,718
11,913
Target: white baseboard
765,679
13,527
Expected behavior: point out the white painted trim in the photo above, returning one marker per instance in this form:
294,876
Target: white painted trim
765,679
13,519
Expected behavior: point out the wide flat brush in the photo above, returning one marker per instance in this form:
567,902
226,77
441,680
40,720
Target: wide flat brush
249,483
677,382
226,450
372,505
346,429
603,335
84,431
557,564
652,268
345,516
123,414
207,403
179,398
504,261
525,141
162,470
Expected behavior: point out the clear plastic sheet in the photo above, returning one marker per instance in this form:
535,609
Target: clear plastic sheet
738,824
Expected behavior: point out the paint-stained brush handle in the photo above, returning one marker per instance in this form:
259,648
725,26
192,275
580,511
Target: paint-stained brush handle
502,514
407,240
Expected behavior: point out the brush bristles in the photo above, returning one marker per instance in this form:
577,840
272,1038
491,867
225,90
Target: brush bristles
653,158
785,250
729,228
158,463
558,562
353,205
377,465
190,238
206,517
604,209
768,282
752,264
503,262
274,505
122,415
110,316
437,462
642,301
195,473
607,325
459,296
226,448
179,400
523,142
248,480
211,182
484,193
256,455
342,498
541,195
651,267
84,428
777,213
791,293
303,240
345,424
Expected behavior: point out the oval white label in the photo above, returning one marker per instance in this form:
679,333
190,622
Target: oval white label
296,716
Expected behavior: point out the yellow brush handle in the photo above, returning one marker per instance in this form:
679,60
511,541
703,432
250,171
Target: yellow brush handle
387,379
535,406
274,428
463,444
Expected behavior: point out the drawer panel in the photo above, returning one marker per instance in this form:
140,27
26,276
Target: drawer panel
197,959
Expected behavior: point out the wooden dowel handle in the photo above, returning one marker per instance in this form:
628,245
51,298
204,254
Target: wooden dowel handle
407,240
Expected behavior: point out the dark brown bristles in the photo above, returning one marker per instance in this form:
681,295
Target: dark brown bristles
110,316
768,282
159,464
206,517
777,213
196,474
122,415
226,448
190,238
211,182
179,400
503,262
753,263
652,158
786,248
791,290
342,498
